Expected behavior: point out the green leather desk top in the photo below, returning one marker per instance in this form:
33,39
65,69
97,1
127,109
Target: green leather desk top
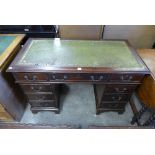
5,41
78,53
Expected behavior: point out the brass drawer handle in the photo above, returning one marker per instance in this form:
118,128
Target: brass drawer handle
34,77
40,97
101,77
95,79
36,88
26,77
65,77
126,77
120,91
116,98
92,77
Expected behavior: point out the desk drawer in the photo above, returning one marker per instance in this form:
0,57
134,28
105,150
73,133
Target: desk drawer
44,103
116,97
29,77
78,77
38,87
112,105
126,77
119,88
41,96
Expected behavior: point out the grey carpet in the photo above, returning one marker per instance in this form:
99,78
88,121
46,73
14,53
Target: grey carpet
78,108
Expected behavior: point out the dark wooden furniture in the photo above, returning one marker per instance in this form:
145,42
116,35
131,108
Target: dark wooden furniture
42,31
113,67
11,99
146,91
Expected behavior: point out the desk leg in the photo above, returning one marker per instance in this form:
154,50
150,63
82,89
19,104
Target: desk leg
142,111
135,112
121,111
34,111
137,115
97,111
150,120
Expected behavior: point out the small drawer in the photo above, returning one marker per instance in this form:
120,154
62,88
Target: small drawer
44,104
116,97
26,77
38,87
112,105
126,77
115,88
41,96
78,77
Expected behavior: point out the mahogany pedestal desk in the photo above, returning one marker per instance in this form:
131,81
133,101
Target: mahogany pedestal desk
113,67
11,107
146,91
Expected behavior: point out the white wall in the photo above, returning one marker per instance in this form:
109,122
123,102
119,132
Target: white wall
140,36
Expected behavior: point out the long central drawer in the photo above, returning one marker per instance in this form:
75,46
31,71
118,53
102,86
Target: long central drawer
64,77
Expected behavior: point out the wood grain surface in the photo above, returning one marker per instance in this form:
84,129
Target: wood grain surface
148,56
146,90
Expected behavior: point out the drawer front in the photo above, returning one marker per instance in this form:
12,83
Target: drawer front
38,87
112,105
79,77
41,97
26,77
44,104
116,97
126,77
115,88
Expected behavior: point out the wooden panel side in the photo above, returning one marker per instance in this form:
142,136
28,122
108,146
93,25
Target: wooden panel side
148,56
146,91
11,49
